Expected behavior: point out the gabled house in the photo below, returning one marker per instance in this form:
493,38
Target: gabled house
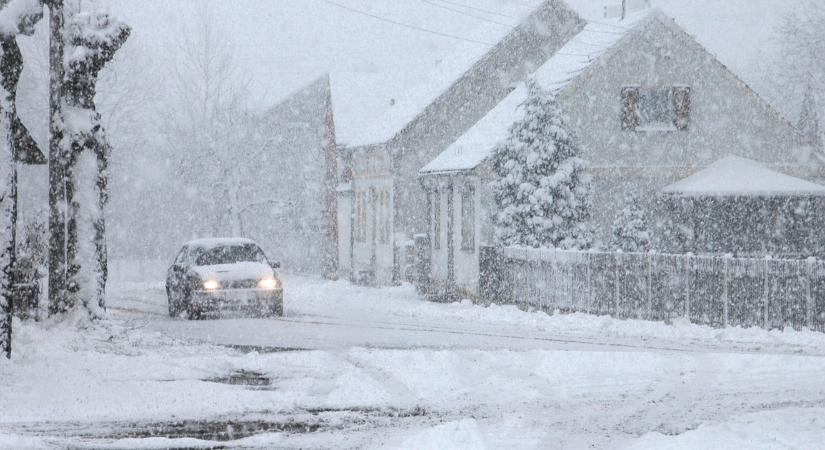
648,106
381,206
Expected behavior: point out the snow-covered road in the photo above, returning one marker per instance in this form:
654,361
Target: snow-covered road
381,368
323,315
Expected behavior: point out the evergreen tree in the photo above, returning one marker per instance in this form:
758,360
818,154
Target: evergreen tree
541,191
630,229
809,123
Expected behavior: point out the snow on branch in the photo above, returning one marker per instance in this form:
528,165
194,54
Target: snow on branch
92,40
19,16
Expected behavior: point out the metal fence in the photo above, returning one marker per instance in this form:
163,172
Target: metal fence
715,291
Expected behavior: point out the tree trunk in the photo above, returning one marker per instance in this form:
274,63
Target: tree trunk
58,298
10,61
11,66
96,37
101,250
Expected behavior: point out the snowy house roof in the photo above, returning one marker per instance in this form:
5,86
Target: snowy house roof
736,176
556,74
358,98
447,71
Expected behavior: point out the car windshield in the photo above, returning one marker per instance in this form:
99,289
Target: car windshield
229,254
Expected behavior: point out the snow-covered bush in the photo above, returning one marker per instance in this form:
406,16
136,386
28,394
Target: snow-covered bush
541,191
631,232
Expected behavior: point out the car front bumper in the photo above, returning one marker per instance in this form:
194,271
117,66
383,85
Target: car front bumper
223,302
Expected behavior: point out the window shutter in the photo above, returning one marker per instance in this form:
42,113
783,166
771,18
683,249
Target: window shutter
681,107
631,116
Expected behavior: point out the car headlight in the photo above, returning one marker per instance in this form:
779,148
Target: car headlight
268,284
211,285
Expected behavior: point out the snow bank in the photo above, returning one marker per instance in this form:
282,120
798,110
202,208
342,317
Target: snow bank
779,429
463,434
402,304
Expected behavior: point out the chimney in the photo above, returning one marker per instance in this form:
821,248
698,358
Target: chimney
620,11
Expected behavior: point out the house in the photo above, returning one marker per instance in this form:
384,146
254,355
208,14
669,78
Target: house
648,106
381,206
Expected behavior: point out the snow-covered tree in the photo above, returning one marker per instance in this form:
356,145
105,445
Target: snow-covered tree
809,122
631,232
542,192
207,123
793,80
16,17
91,41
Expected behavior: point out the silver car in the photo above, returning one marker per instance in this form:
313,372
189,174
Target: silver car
215,277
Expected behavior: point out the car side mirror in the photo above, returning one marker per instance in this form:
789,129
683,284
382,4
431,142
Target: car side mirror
275,265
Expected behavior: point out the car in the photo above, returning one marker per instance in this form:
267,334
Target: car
212,277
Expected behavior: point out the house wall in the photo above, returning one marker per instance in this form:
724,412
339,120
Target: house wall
469,99
373,247
465,261
726,118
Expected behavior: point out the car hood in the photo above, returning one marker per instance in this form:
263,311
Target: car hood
234,272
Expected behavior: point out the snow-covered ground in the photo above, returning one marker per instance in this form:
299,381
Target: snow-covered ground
379,368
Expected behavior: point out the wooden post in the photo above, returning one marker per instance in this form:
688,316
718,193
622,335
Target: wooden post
809,306
589,282
616,284
725,292
330,183
58,296
450,288
765,296
649,287
687,259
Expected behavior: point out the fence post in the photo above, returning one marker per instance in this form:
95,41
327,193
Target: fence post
589,285
809,315
649,289
572,268
688,259
615,312
765,296
725,291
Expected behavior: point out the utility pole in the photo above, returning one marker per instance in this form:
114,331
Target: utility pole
330,193
57,164
624,9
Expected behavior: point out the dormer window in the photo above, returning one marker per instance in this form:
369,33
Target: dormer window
655,109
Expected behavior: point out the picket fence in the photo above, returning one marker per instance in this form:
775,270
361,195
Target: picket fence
709,290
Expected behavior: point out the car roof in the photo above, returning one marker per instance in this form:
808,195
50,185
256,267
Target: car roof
209,243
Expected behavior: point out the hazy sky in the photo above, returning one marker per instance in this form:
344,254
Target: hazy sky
283,44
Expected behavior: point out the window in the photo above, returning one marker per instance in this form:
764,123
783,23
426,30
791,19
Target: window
654,109
468,220
437,220
231,254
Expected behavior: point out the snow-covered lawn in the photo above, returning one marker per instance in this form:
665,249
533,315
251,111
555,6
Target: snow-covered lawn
381,368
